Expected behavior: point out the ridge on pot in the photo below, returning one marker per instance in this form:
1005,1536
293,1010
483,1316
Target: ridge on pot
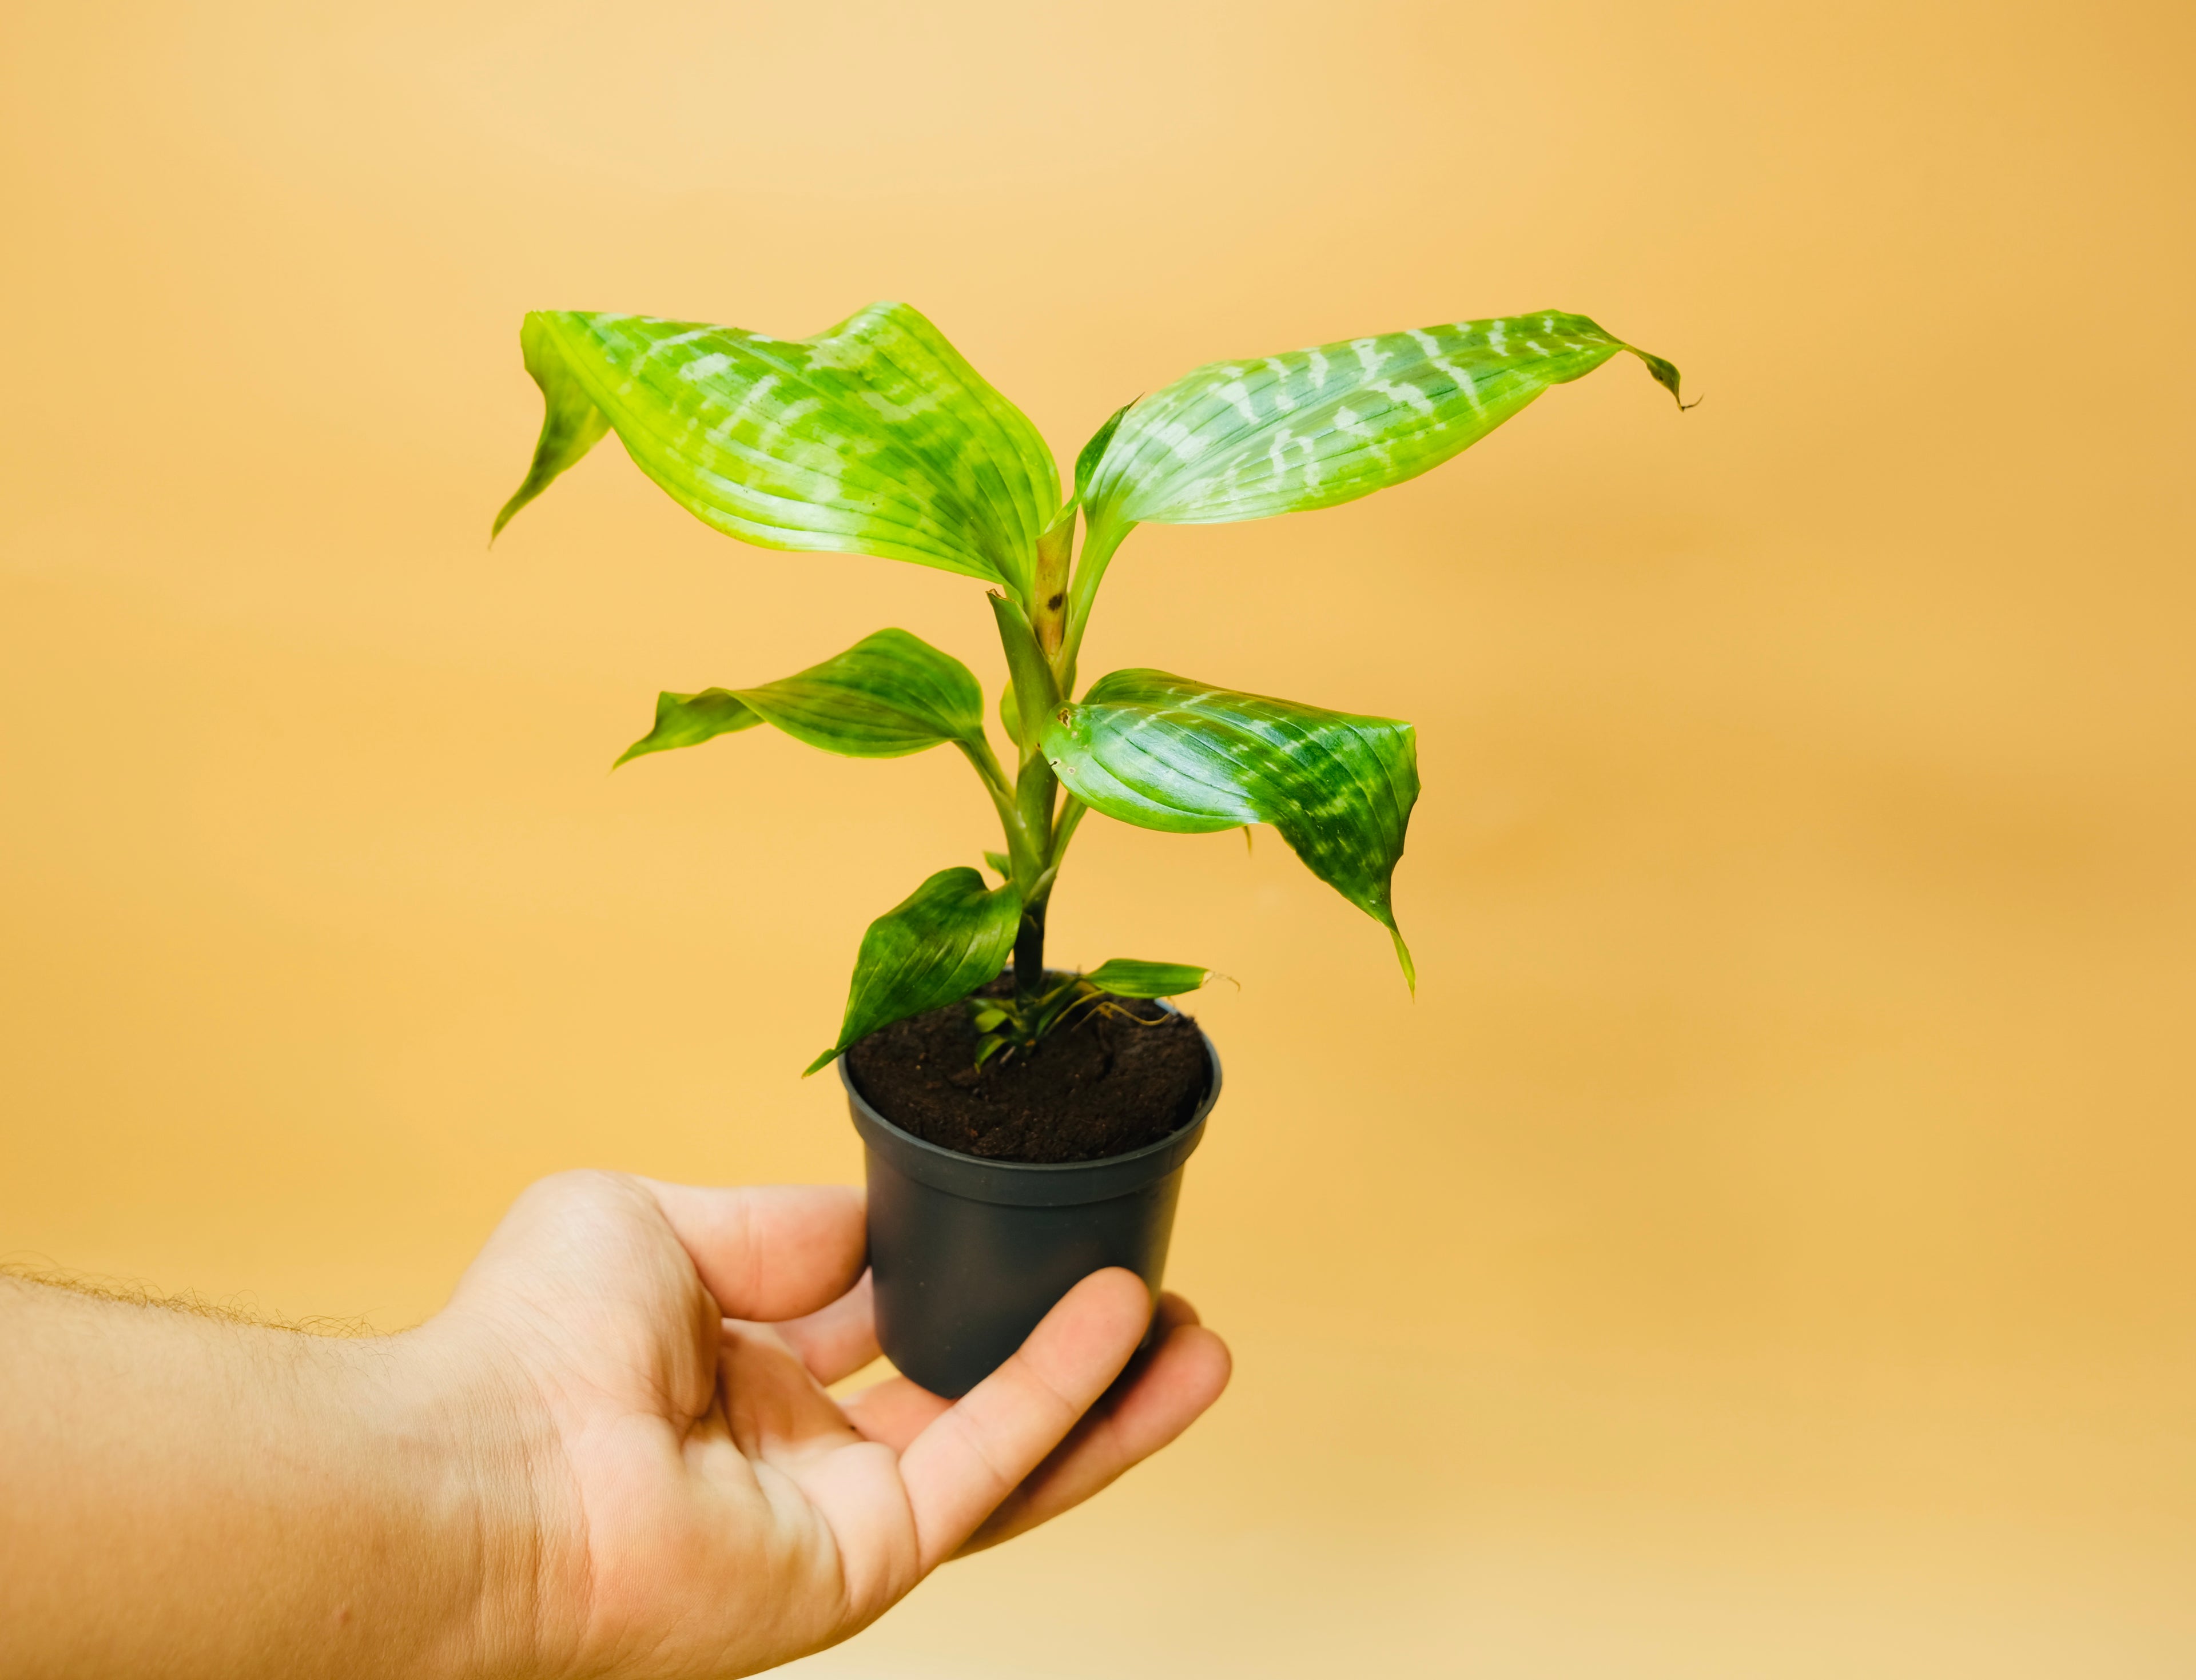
967,1254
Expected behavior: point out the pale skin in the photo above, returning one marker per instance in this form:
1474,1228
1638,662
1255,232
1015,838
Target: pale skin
613,1454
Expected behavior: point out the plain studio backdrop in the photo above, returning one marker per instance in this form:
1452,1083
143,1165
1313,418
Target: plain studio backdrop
1763,1247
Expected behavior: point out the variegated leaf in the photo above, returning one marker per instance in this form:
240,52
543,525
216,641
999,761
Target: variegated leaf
946,939
873,437
1280,434
889,695
1131,977
1165,753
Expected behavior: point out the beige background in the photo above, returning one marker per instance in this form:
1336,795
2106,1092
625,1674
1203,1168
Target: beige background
1764,1247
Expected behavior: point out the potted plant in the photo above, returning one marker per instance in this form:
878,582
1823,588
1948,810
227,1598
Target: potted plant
1025,1126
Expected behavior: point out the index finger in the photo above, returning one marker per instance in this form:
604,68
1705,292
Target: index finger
960,1467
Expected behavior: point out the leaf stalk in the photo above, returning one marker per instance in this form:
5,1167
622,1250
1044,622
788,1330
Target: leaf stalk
1100,539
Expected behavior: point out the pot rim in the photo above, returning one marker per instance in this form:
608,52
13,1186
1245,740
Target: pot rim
1031,1183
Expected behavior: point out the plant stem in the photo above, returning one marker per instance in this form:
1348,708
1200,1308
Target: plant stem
1099,542
1029,938
1047,616
979,753
1035,841
1063,831
1036,693
1035,791
1028,850
1029,958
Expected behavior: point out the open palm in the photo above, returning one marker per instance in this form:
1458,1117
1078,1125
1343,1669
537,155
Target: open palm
706,1507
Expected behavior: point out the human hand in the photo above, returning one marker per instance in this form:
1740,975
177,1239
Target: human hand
649,1361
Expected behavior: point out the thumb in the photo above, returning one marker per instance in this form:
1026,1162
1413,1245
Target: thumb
768,1252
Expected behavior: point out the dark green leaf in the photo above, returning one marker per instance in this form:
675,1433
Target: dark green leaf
1127,977
1165,753
1278,434
889,695
950,936
873,437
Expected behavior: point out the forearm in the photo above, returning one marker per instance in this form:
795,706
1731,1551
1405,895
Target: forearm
181,1495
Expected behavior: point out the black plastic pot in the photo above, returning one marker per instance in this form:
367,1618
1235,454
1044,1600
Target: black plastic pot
967,1254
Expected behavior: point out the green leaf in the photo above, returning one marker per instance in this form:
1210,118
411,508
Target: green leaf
1126,977
949,937
571,424
1001,865
1163,753
873,437
1094,452
1280,434
689,720
889,695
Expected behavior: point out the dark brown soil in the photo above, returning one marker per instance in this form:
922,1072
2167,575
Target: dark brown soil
1101,1086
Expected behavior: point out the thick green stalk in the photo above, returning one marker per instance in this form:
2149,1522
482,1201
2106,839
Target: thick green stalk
1047,607
1029,958
1036,690
1034,791
1036,696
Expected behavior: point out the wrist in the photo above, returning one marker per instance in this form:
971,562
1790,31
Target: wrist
471,1461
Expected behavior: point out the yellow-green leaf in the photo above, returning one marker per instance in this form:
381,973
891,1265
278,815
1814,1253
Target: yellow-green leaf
689,720
1130,977
1278,434
873,437
889,695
